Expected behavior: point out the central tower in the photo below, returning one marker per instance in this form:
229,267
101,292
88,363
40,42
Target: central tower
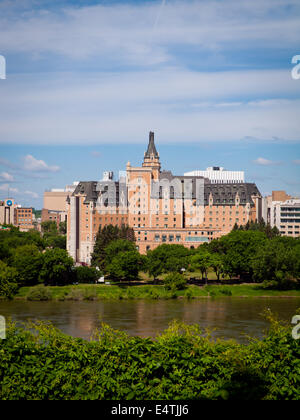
151,156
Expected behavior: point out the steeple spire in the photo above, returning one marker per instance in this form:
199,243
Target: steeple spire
151,151
151,156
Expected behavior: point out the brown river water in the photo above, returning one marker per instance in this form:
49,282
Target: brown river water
228,317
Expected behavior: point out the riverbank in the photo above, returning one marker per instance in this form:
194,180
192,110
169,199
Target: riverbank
119,292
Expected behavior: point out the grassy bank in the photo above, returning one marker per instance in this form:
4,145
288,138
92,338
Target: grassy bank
115,292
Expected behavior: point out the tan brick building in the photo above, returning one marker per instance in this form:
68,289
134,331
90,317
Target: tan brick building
161,207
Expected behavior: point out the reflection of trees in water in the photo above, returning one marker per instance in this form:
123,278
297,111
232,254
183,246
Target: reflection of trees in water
231,316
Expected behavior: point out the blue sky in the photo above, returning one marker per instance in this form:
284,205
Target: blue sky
87,80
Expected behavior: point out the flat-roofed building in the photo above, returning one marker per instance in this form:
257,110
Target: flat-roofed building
55,204
219,175
24,218
284,213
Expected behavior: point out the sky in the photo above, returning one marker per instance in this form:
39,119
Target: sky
87,80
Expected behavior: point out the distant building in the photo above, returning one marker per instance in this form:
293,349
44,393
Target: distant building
283,211
219,175
7,211
159,206
55,202
11,213
24,218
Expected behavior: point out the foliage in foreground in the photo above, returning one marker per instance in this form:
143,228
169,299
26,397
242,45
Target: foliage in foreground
39,362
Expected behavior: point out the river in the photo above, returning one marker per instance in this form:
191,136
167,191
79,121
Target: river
231,317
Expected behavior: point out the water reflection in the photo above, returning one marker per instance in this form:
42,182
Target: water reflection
231,317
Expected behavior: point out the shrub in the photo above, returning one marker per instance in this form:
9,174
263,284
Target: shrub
39,362
225,291
175,281
85,274
39,293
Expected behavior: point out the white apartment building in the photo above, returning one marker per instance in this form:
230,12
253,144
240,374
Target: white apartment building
284,214
217,174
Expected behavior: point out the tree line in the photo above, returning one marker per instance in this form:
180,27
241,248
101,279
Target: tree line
253,253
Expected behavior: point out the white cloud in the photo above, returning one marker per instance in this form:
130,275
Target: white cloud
265,162
7,189
180,105
31,194
296,161
35,165
5,176
145,34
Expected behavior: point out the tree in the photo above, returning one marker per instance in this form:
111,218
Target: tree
201,261
55,240
85,274
167,258
106,235
115,247
63,227
277,263
57,267
49,226
175,281
8,282
217,264
239,248
28,261
125,265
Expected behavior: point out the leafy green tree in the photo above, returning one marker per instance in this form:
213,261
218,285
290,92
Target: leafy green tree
239,248
125,265
217,264
201,261
167,258
106,235
28,261
117,246
57,267
63,227
54,240
49,226
8,281
277,263
85,274
13,238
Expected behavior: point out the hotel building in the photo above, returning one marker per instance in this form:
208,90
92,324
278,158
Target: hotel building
159,206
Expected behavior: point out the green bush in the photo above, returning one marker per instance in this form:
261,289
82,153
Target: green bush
225,291
85,274
175,281
37,361
39,293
